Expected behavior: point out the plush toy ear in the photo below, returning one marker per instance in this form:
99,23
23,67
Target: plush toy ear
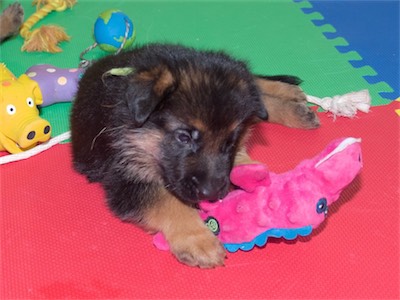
250,176
33,88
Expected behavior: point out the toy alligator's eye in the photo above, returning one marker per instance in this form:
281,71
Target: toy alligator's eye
212,224
30,102
11,109
322,206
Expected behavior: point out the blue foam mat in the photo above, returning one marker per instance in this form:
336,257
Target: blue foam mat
379,41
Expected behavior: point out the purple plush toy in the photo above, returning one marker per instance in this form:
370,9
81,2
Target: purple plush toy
56,84
280,205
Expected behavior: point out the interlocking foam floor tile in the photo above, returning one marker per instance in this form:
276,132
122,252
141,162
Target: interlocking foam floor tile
58,240
370,28
275,37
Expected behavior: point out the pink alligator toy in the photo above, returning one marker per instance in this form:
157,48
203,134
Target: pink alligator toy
280,205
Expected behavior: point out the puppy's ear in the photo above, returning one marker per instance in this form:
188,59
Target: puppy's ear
146,89
142,90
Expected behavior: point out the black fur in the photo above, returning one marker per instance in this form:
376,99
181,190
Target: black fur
172,122
294,80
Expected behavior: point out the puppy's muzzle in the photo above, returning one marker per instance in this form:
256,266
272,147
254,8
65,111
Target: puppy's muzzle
210,189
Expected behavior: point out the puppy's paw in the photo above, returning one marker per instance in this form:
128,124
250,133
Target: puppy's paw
198,248
299,114
287,104
303,116
189,239
293,93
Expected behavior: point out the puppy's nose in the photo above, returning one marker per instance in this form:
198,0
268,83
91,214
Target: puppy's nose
210,189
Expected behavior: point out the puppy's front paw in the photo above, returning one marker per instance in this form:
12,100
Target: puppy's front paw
189,239
198,248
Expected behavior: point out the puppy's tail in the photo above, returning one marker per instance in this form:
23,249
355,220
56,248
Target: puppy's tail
283,78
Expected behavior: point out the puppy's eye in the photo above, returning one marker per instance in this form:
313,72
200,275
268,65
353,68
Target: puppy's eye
183,137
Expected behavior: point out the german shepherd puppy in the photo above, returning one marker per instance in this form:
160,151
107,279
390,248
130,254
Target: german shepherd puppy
161,126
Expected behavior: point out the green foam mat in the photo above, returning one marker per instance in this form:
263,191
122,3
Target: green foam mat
275,37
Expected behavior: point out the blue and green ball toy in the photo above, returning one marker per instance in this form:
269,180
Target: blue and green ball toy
114,30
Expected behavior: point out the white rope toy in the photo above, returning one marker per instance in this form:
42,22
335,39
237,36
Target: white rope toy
344,105
36,150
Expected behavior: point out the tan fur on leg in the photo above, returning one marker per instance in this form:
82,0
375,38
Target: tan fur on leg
187,235
286,104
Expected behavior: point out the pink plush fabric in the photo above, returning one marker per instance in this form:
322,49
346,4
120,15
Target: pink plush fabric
292,200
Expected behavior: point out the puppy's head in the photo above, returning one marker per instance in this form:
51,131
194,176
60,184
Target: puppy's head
200,110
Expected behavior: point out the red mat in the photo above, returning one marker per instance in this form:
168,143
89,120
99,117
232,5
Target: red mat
59,241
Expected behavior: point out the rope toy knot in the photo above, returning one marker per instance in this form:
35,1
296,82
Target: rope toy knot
345,105
45,38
